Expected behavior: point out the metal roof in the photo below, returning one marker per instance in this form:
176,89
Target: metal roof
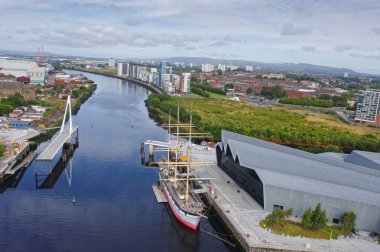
364,158
290,168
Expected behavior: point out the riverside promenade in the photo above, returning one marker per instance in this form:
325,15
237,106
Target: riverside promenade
138,82
241,214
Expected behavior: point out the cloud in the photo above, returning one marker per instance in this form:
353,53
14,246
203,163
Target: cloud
289,30
342,48
191,37
366,56
133,22
308,48
108,36
377,30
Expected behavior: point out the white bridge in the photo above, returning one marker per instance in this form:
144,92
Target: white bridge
65,136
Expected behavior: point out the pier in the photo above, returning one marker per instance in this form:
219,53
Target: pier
241,214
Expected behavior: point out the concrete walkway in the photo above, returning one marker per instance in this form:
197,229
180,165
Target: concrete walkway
245,213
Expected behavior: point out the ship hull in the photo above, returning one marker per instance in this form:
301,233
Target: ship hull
188,219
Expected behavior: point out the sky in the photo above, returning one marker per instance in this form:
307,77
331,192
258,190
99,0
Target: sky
339,33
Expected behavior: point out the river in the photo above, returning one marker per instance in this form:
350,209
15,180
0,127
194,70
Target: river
115,207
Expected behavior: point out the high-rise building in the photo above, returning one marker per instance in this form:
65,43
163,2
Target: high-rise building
123,69
166,83
249,68
164,69
367,110
184,83
111,62
232,67
345,75
191,65
207,68
222,67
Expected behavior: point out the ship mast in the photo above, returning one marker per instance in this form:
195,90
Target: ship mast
167,159
188,164
177,142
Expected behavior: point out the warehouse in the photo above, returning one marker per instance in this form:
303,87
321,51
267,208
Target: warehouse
277,176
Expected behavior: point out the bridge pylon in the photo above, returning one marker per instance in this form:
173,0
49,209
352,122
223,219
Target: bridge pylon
67,140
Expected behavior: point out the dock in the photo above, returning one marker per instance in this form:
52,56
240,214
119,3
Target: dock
24,163
241,215
159,194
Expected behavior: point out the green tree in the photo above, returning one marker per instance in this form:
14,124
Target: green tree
348,221
273,92
249,90
277,216
306,219
76,93
228,86
319,218
220,72
2,150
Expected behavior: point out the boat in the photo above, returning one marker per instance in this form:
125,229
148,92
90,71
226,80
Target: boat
178,181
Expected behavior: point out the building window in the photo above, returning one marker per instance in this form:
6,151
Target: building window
335,220
278,207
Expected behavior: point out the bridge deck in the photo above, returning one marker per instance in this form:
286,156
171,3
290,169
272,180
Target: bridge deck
52,149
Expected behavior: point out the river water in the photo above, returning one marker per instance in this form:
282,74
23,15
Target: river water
115,207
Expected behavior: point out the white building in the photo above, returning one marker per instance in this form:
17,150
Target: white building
111,62
16,68
122,69
222,67
184,83
232,68
249,68
274,76
207,68
167,84
37,75
345,75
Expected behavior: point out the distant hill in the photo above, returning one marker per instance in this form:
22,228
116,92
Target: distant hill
301,68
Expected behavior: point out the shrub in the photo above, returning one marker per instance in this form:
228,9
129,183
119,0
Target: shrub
348,221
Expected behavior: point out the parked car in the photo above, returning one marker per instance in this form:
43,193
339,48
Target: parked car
373,234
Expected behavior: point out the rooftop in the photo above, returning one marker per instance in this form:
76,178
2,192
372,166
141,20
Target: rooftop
294,169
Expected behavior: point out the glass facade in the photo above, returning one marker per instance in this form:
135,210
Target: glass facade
246,178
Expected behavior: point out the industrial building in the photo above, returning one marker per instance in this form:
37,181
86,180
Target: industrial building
38,75
16,68
8,88
277,176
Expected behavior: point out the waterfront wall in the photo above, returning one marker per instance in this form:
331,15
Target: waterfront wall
138,82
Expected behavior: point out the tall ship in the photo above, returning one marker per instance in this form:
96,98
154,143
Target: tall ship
177,178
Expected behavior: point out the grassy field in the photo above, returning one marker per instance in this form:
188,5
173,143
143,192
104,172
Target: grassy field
294,229
320,119
311,131
217,96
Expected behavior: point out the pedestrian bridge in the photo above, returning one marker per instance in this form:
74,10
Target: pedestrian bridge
65,136
57,143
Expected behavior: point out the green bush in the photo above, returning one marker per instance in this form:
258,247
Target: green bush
348,221
314,219
278,215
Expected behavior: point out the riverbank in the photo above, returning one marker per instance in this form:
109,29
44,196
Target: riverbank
154,89
55,121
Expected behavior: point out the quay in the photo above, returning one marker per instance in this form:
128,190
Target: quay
138,82
241,214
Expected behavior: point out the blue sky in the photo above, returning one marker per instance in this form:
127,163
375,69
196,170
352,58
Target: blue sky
341,33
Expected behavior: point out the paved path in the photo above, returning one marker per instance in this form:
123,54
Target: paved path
242,210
